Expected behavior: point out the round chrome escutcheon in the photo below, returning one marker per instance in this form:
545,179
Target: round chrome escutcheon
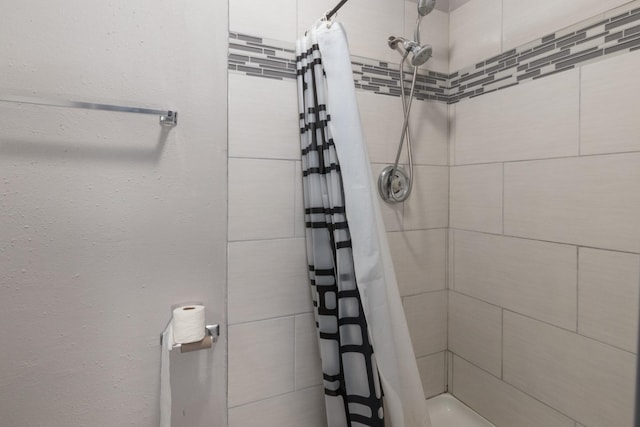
393,184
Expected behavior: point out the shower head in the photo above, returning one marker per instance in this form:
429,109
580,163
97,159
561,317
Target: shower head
421,54
425,7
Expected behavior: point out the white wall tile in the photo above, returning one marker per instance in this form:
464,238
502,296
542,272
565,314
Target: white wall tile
591,382
427,320
261,199
275,19
302,408
428,206
267,278
434,30
419,260
476,197
391,213
534,278
449,360
432,374
382,119
525,21
534,120
500,403
592,201
474,33
610,106
260,360
453,4
368,23
452,133
608,297
475,332
450,258
308,368
263,118
429,133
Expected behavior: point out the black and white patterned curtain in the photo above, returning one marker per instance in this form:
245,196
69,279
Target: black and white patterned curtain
353,394
364,339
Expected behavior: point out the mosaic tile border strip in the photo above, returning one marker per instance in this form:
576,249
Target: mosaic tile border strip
590,41
259,57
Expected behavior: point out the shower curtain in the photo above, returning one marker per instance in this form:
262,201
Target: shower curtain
369,369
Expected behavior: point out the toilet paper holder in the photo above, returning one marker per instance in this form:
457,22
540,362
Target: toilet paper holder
212,334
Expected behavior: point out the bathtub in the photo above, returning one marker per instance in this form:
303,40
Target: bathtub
447,411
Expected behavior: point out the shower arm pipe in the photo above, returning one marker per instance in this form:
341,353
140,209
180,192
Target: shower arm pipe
335,10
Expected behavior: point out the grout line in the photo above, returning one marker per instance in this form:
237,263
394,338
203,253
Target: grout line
546,241
570,331
268,319
416,230
579,111
423,293
452,232
514,387
449,171
502,26
503,195
269,239
274,396
452,136
502,344
539,159
446,258
295,199
431,354
492,304
278,159
446,370
295,377
509,310
578,290
449,368
448,306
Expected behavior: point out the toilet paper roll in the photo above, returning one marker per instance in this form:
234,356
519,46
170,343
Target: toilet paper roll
188,324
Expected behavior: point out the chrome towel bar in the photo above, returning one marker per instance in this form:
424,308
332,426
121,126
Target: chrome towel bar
167,117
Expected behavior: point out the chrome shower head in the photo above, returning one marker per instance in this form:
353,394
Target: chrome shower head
421,54
425,7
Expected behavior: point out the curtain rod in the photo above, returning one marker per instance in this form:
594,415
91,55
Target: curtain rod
335,9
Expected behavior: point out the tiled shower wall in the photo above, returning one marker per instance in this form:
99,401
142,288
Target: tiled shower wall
274,369
545,226
543,245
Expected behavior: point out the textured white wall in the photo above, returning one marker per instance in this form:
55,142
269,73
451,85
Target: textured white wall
104,220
